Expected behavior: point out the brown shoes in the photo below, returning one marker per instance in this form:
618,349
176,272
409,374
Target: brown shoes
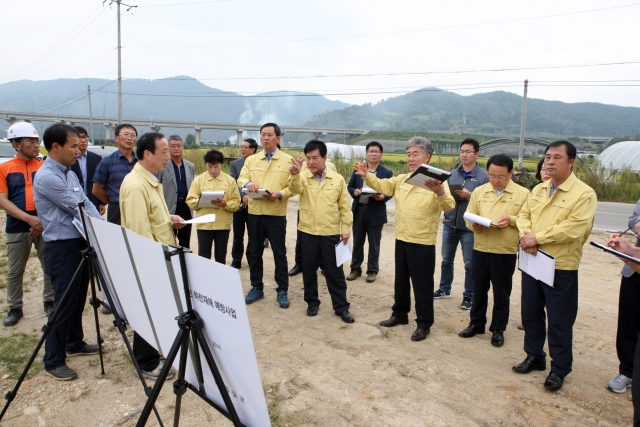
354,274
371,276
394,321
420,334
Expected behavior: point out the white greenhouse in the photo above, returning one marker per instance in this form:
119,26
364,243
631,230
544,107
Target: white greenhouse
621,155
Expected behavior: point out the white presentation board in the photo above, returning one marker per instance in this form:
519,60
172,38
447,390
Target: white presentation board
148,292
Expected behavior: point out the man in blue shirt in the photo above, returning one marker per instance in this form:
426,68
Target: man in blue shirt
469,176
112,170
57,191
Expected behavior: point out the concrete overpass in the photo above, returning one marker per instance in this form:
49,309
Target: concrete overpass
156,125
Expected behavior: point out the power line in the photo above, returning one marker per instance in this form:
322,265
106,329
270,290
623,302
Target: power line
184,4
413,73
445,27
55,48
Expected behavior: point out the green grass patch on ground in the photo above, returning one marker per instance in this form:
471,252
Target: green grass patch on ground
15,351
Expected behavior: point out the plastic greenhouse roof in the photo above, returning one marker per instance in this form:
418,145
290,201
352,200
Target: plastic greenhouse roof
626,153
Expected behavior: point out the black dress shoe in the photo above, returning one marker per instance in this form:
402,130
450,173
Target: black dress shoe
346,317
497,339
312,311
531,363
393,321
420,334
235,265
471,331
554,382
295,270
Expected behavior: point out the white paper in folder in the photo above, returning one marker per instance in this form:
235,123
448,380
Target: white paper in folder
541,266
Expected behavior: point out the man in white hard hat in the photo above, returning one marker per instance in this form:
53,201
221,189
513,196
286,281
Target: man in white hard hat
23,228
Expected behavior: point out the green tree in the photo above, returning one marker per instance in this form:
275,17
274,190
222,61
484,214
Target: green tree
191,139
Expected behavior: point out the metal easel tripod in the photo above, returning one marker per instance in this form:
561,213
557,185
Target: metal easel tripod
190,332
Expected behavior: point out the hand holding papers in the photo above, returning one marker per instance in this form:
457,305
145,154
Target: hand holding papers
614,252
342,253
261,192
368,191
200,220
477,219
541,266
207,197
426,173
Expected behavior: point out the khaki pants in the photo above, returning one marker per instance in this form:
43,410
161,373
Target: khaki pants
18,250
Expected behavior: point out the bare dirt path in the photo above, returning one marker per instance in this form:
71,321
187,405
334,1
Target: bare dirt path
322,372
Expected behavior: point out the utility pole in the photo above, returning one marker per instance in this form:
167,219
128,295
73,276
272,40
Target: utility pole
129,7
523,125
90,115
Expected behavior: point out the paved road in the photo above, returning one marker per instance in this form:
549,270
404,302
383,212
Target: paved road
609,216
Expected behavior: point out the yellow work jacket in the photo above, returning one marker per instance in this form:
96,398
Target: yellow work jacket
142,206
561,223
486,203
325,207
417,209
224,216
271,175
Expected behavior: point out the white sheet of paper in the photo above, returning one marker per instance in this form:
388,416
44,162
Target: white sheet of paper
200,220
261,192
368,190
541,266
478,219
343,254
208,196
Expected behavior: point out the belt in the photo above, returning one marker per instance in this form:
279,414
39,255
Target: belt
363,204
181,199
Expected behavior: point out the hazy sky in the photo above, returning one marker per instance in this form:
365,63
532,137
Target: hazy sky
354,51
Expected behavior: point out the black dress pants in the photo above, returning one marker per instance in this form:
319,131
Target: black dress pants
299,249
316,248
635,392
273,228
363,230
628,323
113,213
61,259
240,218
219,239
415,264
184,234
492,270
561,303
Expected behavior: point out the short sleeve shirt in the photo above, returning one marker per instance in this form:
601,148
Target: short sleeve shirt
111,172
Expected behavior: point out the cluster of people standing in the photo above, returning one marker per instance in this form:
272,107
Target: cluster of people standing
152,190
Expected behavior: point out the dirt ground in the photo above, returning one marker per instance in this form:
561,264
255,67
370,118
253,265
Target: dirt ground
322,372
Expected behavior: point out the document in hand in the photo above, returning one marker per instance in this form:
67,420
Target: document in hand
425,173
614,252
343,254
200,220
208,196
261,192
368,190
541,266
479,220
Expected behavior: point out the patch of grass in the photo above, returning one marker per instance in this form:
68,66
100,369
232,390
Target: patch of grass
33,254
279,416
3,283
4,262
15,351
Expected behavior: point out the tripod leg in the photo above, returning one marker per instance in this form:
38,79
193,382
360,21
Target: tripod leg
179,385
46,329
183,334
96,303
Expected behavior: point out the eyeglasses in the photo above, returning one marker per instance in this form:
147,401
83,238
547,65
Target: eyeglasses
36,142
175,146
467,152
128,135
83,137
497,178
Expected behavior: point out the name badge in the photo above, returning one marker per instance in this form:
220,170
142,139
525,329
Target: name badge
76,188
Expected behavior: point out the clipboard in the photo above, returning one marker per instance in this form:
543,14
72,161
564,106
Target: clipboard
425,173
614,252
453,188
541,267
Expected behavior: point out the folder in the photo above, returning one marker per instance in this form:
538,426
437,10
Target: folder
614,252
425,173
541,267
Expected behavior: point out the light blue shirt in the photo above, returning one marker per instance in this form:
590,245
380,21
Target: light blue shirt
82,162
56,193
269,155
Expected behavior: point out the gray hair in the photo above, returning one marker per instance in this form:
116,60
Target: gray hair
422,142
175,138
